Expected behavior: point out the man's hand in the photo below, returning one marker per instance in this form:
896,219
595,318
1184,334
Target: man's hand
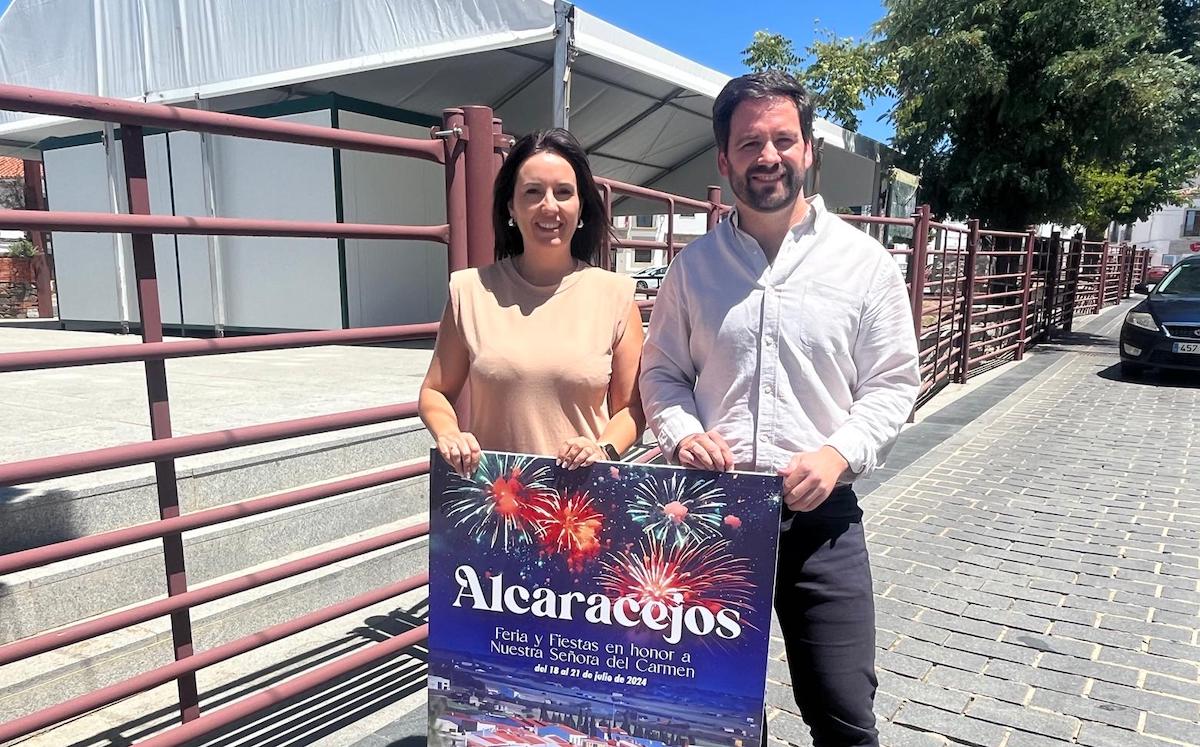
811,476
705,451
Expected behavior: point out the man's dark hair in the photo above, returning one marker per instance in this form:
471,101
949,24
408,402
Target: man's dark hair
760,86
586,241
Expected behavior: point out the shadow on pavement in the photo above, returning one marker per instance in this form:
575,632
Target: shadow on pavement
1071,340
1154,377
314,714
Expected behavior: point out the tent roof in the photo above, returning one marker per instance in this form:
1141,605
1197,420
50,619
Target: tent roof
643,112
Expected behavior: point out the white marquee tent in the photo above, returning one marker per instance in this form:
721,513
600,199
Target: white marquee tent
642,112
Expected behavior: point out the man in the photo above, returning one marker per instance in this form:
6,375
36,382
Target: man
783,341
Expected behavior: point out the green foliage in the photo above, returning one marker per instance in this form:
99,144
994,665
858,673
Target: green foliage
22,248
1023,111
12,194
843,75
770,52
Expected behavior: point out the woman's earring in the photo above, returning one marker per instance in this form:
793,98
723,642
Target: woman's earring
579,224
511,223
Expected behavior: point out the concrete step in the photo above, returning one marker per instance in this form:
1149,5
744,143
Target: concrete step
40,599
57,676
66,508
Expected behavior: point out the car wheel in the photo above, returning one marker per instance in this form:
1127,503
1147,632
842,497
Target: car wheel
641,284
1132,369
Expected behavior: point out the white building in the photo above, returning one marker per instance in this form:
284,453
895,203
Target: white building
1171,234
686,228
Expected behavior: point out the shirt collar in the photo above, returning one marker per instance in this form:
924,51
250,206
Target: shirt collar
808,224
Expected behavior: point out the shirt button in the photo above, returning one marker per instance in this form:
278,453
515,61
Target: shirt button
768,389
769,341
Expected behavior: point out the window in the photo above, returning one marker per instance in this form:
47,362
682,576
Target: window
645,221
1183,280
1191,223
1127,234
642,256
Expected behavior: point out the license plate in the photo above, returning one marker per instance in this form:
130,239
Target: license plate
1186,347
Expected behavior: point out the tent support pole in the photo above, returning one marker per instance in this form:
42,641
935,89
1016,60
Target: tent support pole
564,53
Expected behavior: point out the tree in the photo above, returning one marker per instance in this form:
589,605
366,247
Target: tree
1151,173
770,52
1023,111
12,194
1128,193
843,75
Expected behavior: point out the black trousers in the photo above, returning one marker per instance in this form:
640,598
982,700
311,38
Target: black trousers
824,602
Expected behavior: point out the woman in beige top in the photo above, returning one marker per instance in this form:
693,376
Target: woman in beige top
548,343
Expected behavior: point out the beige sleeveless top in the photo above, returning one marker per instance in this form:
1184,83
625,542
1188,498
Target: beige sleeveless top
541,356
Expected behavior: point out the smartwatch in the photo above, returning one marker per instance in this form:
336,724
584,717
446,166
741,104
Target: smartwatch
610,451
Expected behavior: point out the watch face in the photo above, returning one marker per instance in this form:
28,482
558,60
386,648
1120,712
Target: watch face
611,451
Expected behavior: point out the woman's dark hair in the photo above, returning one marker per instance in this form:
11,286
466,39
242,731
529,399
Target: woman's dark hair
586,241
760,86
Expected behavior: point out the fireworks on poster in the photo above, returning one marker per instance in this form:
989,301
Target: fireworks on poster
678,507
494,504
615,601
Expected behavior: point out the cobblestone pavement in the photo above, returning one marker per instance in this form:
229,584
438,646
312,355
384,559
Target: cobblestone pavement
1037,562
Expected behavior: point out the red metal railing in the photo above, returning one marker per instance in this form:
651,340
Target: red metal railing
471,146
978,297
470,165
711,207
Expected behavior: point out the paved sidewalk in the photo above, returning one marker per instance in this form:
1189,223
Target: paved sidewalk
1035,541
1036,551
1037,572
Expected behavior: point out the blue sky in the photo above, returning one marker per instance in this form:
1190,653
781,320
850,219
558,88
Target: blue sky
714,33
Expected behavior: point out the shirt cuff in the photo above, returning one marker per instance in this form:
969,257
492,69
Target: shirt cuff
674,426
850,444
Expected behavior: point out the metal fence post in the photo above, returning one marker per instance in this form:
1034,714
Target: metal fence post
480,177
964,361
714,206
456,188
1074,268
670,237
1023,338
43,264
608,258
1053,277
138,191
1130,254
500,145
1103,289
918,270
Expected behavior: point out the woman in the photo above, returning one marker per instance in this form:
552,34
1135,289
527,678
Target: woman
549,344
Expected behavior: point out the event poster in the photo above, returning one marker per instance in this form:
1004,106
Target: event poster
620,604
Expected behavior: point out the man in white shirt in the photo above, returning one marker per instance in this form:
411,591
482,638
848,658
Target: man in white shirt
783,341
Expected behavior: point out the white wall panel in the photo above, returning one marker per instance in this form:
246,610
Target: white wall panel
392,282
85,265
278,282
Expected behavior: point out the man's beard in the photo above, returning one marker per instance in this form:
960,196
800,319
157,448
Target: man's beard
772,197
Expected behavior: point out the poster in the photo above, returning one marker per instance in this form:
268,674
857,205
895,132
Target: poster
619,605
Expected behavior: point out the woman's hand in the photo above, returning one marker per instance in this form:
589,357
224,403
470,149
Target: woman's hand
461,452
579,452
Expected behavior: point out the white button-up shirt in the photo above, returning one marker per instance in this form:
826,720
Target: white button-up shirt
816,349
